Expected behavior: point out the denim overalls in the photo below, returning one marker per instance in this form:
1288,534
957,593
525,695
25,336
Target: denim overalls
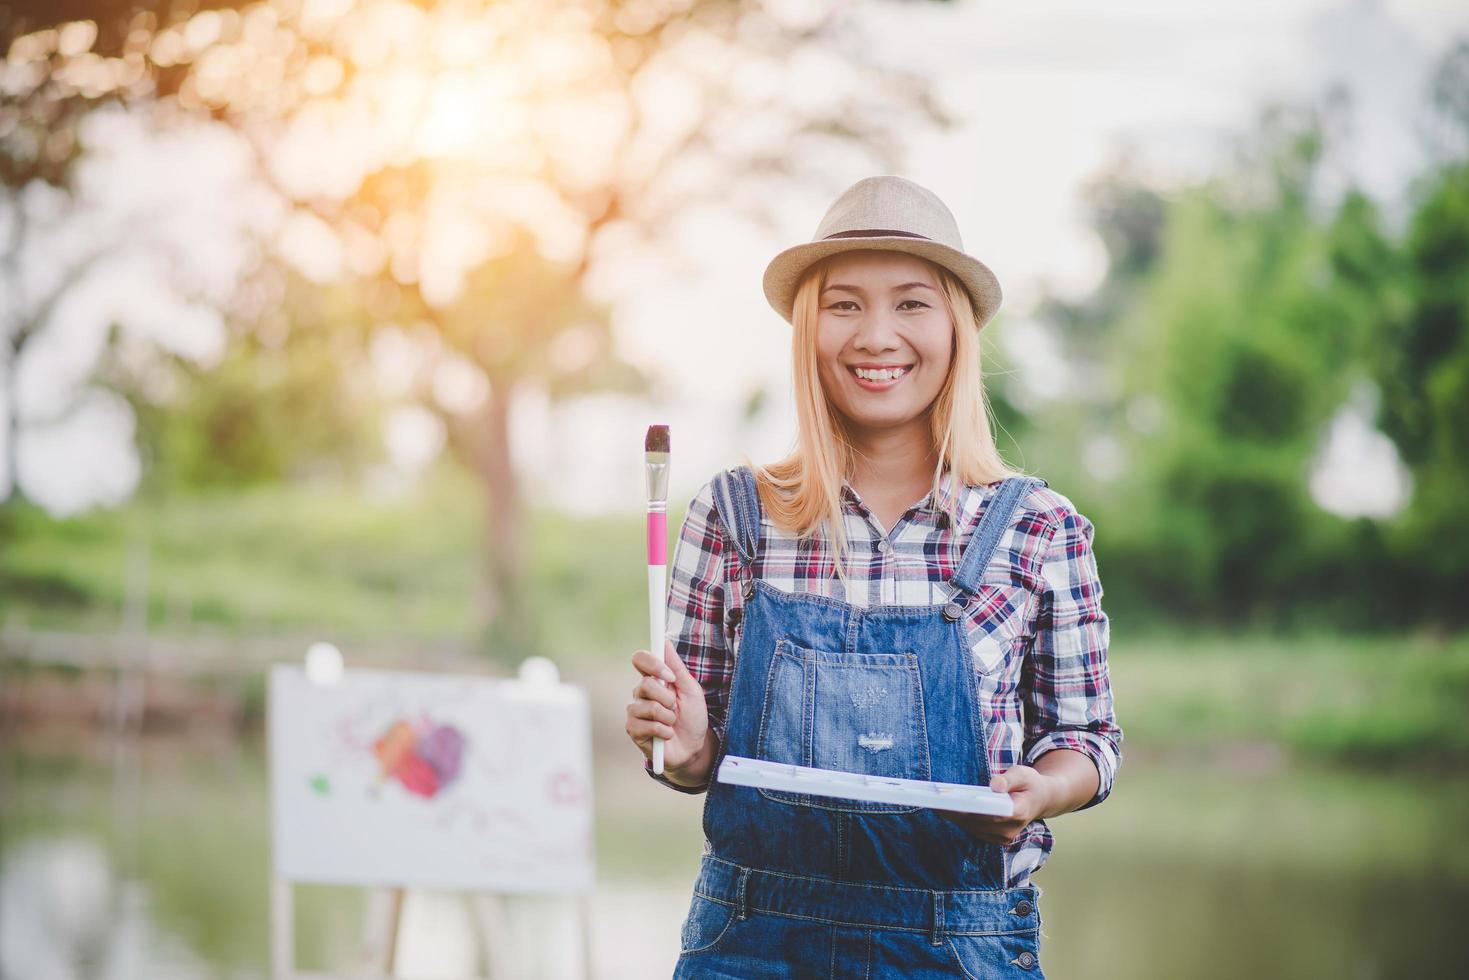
802,886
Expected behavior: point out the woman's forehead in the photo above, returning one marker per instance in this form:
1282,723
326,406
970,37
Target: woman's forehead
880,268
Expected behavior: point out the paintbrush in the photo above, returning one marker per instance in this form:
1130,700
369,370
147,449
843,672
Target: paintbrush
655,468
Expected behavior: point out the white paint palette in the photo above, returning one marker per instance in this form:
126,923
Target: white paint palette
738,771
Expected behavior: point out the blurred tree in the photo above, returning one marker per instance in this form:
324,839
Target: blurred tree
55,79
1233,345
470,167
291,399
1420,360
1127,212
1237,318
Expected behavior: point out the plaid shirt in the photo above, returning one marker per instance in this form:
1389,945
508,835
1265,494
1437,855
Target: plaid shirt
1042,673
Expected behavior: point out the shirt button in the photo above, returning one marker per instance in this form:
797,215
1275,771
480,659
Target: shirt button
882,545
1022,907
734,616
1026,959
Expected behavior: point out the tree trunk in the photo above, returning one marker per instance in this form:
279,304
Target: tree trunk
504,617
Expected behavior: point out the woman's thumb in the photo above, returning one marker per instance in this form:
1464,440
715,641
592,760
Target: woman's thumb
671,657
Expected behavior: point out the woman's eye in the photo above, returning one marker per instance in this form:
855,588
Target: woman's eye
843,303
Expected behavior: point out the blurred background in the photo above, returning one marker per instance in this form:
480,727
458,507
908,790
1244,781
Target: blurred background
343,320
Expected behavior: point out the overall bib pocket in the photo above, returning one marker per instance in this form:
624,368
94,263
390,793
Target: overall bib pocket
848,711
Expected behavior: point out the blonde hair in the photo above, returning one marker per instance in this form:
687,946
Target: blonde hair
802,493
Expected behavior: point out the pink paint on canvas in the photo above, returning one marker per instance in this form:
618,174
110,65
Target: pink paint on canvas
423,757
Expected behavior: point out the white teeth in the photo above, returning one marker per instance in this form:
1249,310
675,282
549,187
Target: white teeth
883,374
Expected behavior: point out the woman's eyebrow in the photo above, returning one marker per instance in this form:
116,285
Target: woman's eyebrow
858,289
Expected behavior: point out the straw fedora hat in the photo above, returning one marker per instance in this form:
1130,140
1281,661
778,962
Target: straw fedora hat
886,212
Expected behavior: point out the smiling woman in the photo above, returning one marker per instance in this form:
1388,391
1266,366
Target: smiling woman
884,311
890,600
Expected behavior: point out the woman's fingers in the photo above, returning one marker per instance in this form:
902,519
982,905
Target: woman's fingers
644,740
649,689
668,703
992,830
652,710
650,666
643,729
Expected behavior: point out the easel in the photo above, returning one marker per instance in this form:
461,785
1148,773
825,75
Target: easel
381,961
319,835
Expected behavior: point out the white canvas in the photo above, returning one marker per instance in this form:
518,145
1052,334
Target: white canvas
432,781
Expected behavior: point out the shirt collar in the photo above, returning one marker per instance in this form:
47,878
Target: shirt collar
942,501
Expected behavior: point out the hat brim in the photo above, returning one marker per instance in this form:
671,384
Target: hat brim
783,274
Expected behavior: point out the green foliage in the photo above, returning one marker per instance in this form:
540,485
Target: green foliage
1237,339
262,558
291,398
1421,362
1358,700
325,562
1224,353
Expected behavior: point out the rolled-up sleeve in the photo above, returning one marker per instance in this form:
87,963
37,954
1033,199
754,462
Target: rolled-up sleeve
1065,686
696,613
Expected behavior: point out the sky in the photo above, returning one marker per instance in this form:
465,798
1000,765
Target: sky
1049,93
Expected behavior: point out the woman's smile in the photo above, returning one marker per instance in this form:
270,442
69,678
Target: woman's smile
879,377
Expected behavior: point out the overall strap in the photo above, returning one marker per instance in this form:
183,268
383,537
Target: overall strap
992,525
738,504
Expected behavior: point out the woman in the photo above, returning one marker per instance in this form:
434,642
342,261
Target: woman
889,599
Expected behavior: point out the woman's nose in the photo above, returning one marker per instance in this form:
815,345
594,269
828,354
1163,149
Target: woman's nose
876,332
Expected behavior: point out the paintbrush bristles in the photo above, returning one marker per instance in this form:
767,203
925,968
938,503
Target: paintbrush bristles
656,440
655,464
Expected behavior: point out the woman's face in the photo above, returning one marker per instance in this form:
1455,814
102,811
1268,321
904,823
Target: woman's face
884,339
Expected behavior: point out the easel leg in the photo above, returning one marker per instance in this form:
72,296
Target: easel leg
395,919
584,913
282,930
489,912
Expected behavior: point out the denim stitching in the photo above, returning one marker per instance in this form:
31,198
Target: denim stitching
808,711
1023,890
926,759
959,961
918,930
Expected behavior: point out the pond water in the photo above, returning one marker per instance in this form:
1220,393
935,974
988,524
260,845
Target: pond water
151,860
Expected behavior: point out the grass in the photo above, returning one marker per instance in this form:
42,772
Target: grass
327,562
1362,700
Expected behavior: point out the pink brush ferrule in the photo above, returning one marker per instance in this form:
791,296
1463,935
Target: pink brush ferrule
658,538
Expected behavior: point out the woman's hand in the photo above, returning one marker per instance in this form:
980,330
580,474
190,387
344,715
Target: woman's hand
675,713
1032,795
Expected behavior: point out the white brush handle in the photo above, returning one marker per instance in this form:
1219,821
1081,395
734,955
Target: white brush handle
657,618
